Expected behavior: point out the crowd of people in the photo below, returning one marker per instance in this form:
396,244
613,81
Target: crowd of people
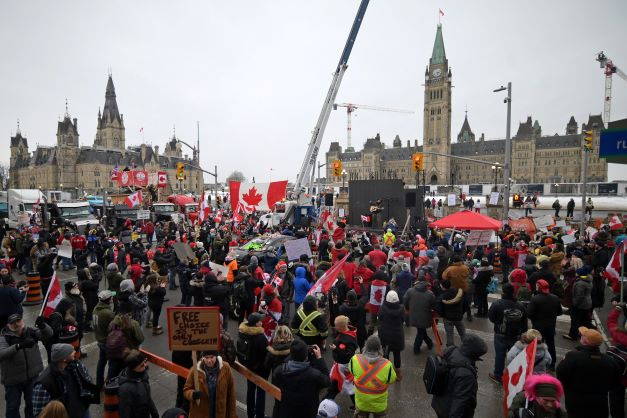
288,318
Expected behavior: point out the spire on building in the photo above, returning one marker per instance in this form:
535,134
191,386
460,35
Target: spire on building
110,112
18,132
572,127
466,134
439,55
67,112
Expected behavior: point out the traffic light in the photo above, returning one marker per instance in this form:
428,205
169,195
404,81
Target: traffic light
416,161
180,171
337,168
517,201
588,137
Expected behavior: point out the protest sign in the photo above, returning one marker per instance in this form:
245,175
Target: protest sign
494,198
64,250
183,250
479,237
217,268
143,214
560,224
568,239
524,224
545,221
450,200
193,328
295,248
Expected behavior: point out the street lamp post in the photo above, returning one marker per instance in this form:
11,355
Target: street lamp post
343,179
495,169
508,150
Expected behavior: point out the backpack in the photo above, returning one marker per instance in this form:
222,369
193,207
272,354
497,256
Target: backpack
559,288
116,343
619,355
239,290
227,348
436,374
244,350
512,323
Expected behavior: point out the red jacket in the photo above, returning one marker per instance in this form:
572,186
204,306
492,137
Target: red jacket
378,258
338,254
349,271
78,242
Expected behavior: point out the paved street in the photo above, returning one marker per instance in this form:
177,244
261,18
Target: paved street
406,396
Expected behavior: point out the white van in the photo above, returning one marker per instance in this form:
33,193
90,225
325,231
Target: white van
77,213
20,205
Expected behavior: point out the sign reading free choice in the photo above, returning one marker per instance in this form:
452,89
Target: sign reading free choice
613,146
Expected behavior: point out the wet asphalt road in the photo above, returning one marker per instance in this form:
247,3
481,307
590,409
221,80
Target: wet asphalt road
406,397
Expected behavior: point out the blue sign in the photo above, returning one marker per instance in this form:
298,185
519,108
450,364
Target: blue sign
613,146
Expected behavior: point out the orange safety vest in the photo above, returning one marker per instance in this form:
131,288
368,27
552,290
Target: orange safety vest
369,383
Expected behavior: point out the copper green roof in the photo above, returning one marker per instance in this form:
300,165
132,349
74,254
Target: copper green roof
439,55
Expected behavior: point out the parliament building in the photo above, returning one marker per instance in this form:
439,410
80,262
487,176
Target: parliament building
536,158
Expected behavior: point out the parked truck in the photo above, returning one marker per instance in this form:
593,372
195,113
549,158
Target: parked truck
20,203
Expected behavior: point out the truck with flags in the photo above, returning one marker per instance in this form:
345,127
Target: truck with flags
22,204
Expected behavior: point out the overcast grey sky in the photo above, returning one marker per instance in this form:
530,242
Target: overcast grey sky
255,73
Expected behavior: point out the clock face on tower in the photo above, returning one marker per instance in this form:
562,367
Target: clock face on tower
436,73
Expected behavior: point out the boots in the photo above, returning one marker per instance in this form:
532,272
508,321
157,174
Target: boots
399,375
157,330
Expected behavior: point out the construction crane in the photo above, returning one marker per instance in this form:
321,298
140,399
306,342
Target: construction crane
609,69
351,107
311,156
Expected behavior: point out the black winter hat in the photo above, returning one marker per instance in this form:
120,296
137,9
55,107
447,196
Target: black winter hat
298,350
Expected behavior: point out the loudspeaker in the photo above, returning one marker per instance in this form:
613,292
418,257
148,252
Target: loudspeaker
328,199
410,199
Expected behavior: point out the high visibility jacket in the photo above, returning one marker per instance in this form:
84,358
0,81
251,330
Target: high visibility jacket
388,239
371,382
306,327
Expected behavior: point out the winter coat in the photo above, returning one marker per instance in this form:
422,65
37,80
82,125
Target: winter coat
300,384
543,310
520,401
582,293
542,360
420,303
225,396
133,333
460,398
89,290
276,355
587,376
434,264
556,263
458,275
391,330
156,297
546,275
259,344
17,366
483,279
10,301
301,285
497,309
114,279
134,394
103,315
320,323
357,316
345,345
450,304
216,293
66,388
404,280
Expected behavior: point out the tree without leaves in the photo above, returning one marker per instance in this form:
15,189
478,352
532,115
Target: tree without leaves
236,176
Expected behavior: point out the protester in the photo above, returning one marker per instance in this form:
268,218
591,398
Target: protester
251,351
124,334
543,310
328,409
540,397
581,308
103,315
450,306
344,348
542,360
391,332
309,323
485,272
420,303
134,392
355,309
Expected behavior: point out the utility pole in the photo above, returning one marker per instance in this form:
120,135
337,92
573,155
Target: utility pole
587,147
508,151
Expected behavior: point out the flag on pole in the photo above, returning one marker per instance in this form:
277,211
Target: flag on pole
203,208
134,199
328,279
441,12
257,196
613,270
365,218
615,223
162,179
517,372
115,173
53,297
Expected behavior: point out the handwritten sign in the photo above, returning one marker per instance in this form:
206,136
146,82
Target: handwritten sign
568,239
479,237
193,328
297,247
64,250
545,221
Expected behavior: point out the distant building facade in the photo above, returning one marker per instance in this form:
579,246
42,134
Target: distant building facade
87,169
535,158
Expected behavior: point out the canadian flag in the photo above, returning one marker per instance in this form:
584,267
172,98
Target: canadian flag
613,269
377,292
218,218
615,223
134,199
257,196
203,209
517,372
328,279
140,178
53,297
125,178
162,179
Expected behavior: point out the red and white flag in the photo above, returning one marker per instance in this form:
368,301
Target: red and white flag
134,199
218,218
53,297
613,269
365,218
615,223
517,372
162,179
125,178
203,208
377,293
257,196
140,178
115,173
441,12
328,279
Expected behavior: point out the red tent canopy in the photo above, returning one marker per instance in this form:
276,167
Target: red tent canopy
180,199
466,219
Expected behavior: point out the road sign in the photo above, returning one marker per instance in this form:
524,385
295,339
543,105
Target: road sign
613,145
143,214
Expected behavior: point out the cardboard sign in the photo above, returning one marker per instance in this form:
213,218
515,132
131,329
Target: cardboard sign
450,200
64,251
217,268
560,224
568,239
494,198
296,247
524,224
183,250
543,221
193,328
479,237
143,214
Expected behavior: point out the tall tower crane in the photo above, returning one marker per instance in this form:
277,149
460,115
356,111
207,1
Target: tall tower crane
351,107
609,69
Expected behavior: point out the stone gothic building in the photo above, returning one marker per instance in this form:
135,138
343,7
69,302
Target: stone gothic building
536,158
86,169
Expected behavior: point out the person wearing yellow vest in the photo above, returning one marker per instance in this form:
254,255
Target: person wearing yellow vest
372,374
389,238
309,323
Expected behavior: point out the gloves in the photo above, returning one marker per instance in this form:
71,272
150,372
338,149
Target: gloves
27,343
40,322
196,395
